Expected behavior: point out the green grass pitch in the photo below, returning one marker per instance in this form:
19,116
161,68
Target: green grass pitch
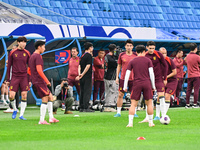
100,131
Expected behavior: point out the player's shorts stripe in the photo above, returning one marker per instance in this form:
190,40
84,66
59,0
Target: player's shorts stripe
44,91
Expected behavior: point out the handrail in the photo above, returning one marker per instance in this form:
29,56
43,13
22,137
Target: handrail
6,57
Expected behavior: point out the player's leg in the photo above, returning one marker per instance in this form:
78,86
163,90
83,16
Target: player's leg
56,104
68,105
81,95
119,104
96,90
3,91
196,91
130,86
132,112
23,104
102,89
6,94
150,112
50,109
77,85
189,91
161,96
43,109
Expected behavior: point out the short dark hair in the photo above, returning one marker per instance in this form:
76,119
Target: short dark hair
87,45
193,46
39,43
75,48
151,43
178,51
101,50
22,39
112,47
140,48
129,41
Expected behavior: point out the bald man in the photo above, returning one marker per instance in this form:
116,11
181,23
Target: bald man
171,83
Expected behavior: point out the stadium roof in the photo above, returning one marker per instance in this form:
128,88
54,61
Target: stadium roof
11,14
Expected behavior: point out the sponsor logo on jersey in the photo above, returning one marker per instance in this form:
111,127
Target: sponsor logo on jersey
24,54
154,58
16,55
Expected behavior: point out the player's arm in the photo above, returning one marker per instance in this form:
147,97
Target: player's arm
173,68
85,70
128,72
97,63
41,73
119,66
152,78
164,66
174,72
58,90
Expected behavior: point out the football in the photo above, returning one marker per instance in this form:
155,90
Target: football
165,120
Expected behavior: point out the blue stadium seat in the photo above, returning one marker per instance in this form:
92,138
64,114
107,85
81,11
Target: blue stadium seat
89,21
73,12
61,20
111,14
116,22
100,14
85,13
105,21
122,23
75,5
64,4
79,13
111,22
106,14
95,21
62,11
100,20
69,5
68,12
33,10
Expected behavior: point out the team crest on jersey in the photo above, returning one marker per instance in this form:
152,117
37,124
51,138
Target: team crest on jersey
154,58
11,87
16,55
170,91
26,87
124,59
120,88
24,54
163,88
76,60
78,83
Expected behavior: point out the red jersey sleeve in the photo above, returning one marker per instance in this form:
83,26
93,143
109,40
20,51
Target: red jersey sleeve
97,62
163,65
129,67
173,66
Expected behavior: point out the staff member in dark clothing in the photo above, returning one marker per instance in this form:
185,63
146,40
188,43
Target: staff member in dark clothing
111,88
85,77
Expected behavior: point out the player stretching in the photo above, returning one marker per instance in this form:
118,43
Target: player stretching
18,60
160,71
123,60
40,83
172,81
144,81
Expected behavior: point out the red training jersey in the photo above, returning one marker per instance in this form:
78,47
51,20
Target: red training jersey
124,60
36,69
171,66
73,67
18,59
159,65
179,62
140,66
98,69
193,62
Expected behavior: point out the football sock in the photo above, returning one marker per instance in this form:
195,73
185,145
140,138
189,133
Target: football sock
43,109
7,98
167,104
2,97
23,107
13,103
50,109
162,105
150,119
158,110
119,110
131,119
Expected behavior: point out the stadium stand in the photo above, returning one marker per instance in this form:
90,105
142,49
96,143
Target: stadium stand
161,14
